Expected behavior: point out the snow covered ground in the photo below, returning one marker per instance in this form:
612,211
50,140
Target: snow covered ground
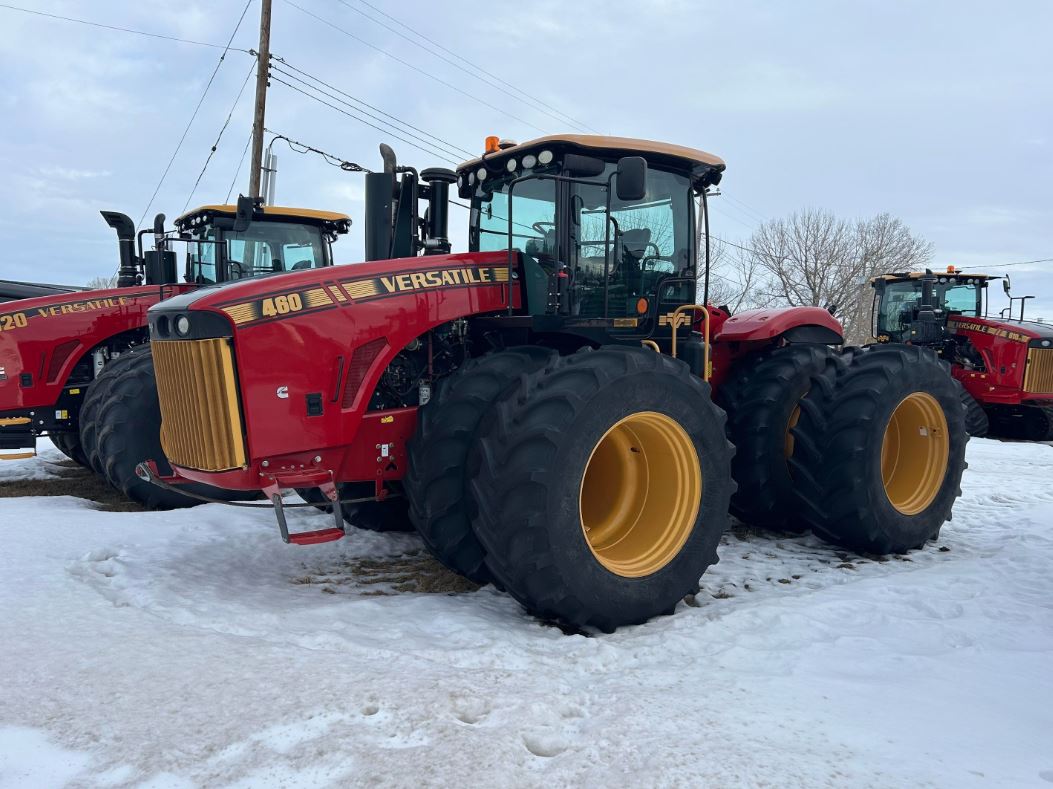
196,649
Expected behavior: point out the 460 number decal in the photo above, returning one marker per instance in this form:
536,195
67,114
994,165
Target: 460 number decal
281,305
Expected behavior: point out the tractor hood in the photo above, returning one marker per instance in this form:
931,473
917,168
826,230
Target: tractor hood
263,300
1022,331
43,338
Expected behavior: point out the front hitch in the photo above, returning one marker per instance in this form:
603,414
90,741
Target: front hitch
147,471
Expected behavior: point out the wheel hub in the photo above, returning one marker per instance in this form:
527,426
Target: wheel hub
640,494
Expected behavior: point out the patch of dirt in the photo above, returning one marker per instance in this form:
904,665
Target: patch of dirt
412,573
72,480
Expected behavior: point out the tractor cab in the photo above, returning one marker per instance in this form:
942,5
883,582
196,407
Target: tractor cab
602,229
914,306
226,243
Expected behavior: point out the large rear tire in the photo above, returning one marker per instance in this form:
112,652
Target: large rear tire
128,430
98,391
600,487
1022,422
69,445
976,421
448,426
880,449
762,400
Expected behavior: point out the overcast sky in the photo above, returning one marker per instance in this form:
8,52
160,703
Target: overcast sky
939,112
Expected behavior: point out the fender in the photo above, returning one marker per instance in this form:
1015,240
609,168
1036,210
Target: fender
798,324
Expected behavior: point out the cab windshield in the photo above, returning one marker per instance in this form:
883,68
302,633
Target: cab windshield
610,258
264,248
901,300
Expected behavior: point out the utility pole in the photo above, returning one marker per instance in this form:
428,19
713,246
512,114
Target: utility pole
263,69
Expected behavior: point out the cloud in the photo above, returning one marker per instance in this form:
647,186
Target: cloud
68,174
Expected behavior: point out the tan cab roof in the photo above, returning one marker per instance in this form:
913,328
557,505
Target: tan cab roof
275,211
905,275
628,145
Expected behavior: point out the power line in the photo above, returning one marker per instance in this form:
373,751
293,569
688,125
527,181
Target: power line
241,163
395,131
723,210
756,215
219,137
1007,265
533,103
419,70
360,120
476,66
453,149
120,29
303,148
200,101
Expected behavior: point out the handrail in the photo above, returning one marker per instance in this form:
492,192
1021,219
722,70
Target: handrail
705,334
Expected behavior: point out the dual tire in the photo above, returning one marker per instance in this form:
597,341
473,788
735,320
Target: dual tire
880,450
865,448
762,398
594,488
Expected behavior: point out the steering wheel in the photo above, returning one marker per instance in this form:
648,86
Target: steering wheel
539,227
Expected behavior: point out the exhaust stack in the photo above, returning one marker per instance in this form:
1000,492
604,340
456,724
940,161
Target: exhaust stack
128,275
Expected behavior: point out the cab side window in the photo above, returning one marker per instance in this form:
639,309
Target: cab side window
632,247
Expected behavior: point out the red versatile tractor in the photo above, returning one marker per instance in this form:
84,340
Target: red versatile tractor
71,362
1004,364
541,408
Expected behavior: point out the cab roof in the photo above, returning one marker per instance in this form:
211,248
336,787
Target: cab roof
275,212
904,276
627,146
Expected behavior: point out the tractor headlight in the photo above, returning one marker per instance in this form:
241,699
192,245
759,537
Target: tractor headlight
1046,343
481,174
511,165
529,161
182,326
545,157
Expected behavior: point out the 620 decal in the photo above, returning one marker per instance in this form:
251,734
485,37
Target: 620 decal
14,320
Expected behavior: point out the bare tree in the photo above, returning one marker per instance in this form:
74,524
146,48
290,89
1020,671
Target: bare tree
102,283
813,258
734,277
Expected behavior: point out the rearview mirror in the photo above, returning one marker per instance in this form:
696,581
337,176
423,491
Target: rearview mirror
1006,284
246,211
632,178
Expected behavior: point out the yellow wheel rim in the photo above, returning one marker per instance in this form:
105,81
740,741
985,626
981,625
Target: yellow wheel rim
640,494
915,453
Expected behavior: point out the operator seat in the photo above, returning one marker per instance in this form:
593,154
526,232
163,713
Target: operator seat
634,250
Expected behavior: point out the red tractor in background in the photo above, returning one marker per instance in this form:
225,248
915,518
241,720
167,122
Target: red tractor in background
548,409
1004,364
69,361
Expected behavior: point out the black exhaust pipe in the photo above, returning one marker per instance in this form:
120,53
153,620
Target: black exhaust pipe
439,179
128,275
380,194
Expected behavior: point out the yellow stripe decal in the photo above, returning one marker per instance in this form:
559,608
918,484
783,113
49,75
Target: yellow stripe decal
317,297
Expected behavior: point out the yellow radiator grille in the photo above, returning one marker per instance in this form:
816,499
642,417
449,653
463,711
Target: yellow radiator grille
1039,376
200,416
